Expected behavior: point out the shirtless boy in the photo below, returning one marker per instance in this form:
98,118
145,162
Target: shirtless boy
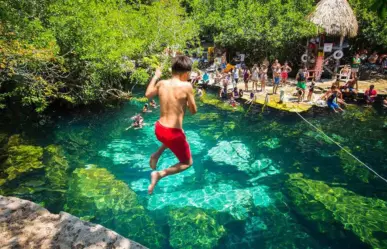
175,95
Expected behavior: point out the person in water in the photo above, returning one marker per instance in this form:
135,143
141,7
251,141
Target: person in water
138,122
153,103
146,108
175,94
334,95
370,95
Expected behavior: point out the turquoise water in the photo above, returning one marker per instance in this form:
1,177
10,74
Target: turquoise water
244,190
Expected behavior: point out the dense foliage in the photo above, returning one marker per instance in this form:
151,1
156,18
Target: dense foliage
261,28
79,52
82,51
372,27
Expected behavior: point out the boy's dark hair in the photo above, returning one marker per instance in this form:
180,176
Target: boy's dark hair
181,64
372,86
333,87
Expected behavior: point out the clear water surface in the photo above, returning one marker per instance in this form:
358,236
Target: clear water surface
258,180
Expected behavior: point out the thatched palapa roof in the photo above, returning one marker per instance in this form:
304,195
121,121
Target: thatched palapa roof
336,17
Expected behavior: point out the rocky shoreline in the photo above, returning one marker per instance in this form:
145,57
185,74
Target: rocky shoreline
25,224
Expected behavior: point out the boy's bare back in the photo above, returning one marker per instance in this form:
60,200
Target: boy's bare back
174,96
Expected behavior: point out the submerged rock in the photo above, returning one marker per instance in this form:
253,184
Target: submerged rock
239,203
233,153
21,159
94,192
192,227
352,167
334,209
271,143
56,166
28,225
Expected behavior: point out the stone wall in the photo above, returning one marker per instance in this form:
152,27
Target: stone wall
24,224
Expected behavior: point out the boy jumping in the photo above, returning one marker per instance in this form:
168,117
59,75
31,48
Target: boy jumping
175,95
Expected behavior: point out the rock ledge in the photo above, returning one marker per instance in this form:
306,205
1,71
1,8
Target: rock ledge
24,224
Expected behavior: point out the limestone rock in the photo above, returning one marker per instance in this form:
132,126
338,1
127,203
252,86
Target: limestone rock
25,224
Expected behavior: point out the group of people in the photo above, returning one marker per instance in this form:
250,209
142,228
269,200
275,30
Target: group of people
176,95
257,74
334,96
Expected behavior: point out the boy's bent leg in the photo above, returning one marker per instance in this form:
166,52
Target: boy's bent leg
155,156
157,175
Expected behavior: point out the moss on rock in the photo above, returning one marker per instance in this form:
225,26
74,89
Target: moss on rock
352,167
21,159
56,166
336,208
192,227
216,102
95,192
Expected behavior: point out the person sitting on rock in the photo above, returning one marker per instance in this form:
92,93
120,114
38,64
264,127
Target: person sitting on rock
350,87
252,97
370,95
235,93
333,97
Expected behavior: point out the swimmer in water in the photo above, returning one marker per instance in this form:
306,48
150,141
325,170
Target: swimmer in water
138,122
146,108
153,103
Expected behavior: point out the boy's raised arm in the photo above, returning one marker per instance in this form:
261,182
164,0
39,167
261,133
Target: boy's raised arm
152,89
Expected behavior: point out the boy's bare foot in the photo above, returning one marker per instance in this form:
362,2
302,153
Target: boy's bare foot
153,161
155,177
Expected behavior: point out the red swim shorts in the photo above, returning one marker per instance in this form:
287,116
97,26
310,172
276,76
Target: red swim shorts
175,140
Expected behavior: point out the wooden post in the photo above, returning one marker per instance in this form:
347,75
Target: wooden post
341,48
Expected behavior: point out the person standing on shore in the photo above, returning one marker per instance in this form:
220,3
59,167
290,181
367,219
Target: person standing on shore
355,67
274,67
255,77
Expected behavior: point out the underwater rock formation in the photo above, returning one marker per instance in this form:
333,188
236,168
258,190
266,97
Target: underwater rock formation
21,159
233,153
96,195
212,131
352,167
192,227
56,166
239,203
335,209
28,225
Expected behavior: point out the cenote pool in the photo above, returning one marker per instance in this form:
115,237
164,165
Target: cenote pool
258,181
